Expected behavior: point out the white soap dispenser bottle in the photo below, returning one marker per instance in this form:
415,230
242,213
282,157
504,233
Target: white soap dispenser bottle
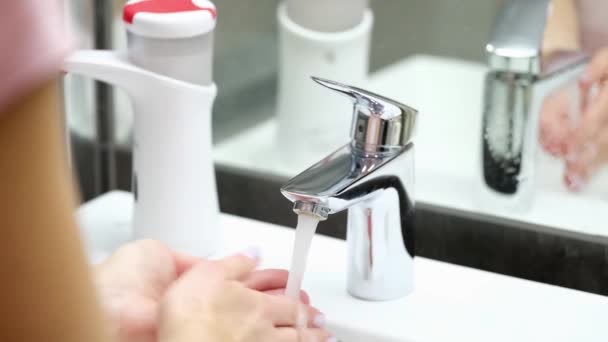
318,37
167,74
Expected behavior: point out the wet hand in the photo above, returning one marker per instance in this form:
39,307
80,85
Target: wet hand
211,302
582,144
134,279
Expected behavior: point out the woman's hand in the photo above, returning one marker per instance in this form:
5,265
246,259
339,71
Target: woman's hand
134,279
210,302
584,144
587,149
132,282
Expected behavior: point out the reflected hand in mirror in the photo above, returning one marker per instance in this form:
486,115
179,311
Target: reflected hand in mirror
579,134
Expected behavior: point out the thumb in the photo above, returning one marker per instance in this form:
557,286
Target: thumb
239,265
586,146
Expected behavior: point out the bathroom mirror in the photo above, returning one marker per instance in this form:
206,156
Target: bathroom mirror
430,55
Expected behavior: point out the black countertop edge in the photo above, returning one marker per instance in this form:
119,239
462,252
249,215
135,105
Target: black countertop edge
516,224
520,249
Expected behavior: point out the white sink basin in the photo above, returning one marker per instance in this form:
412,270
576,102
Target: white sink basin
450,303
448,95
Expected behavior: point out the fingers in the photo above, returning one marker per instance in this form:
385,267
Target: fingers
587,148
184,262
271,281
554,128
284,311
578,173
596,69
265,280
304,298
137,320
239,266
593,123
580,170
594,73
302,335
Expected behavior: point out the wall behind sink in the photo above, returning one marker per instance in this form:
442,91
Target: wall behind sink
246,59
246,47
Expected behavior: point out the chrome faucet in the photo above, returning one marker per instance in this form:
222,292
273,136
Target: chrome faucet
520,77
372,177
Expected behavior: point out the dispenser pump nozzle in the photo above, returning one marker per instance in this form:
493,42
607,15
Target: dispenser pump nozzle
380,123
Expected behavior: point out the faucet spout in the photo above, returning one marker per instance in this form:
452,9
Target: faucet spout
516,41
312,209
377,192
373,178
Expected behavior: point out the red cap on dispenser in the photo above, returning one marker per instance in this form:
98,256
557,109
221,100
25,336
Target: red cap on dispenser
169,18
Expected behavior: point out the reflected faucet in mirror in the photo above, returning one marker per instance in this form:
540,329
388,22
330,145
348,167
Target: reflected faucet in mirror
372,177
538,48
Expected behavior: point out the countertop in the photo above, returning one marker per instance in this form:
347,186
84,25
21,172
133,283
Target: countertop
450,302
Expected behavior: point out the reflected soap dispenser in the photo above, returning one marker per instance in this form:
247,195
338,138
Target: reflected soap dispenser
166,71
318,37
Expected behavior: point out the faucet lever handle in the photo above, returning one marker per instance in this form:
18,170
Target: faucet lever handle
379,122
377,104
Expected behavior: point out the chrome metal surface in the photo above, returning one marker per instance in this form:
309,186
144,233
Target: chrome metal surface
516,48
379,123
310,208
520,77
376,186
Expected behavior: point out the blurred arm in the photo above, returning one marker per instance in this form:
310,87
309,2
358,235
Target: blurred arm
45,289
563,33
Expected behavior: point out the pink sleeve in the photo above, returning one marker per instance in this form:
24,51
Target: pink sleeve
33,44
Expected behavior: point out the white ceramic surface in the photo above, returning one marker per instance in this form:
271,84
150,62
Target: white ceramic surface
448,95
173,171
305,109
450,303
